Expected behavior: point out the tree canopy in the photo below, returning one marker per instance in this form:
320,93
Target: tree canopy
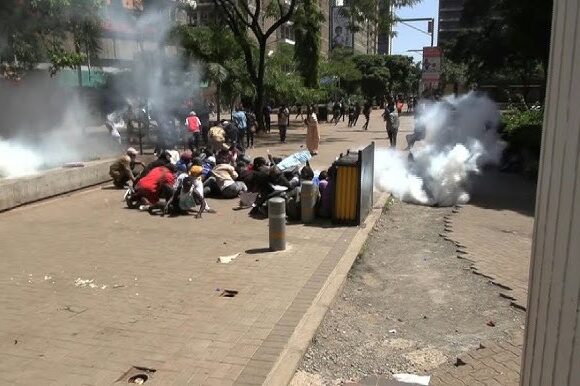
505,39
36,30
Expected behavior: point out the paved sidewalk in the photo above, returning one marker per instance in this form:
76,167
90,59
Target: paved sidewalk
494,231
89,289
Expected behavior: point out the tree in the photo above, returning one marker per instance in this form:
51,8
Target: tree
375,75
455,74
375,12
400,67
506,39
307,33
216,49
242,20
341,70
37,30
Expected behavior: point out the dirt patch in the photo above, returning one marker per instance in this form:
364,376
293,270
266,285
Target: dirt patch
409,305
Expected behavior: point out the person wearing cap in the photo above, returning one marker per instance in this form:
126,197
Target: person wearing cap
123,169
194,128
196,172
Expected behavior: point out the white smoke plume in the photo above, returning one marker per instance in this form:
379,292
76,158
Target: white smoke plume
460,138
44,124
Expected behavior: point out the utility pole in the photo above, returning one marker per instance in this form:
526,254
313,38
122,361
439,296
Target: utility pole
430,26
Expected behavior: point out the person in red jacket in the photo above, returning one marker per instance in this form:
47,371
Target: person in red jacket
194,128
148,188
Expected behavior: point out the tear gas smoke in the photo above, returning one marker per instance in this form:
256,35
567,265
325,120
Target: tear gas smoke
460,138
44,124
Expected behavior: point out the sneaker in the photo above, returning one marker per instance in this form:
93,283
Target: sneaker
143,208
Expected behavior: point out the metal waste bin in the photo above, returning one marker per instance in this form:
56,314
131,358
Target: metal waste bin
353,189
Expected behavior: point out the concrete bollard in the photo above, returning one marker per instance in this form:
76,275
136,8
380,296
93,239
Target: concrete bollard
277,220
308,201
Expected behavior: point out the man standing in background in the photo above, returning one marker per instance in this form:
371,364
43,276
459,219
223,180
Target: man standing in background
194,127
267,119
241,125
283,121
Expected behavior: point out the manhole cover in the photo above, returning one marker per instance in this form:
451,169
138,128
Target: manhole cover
136,375
228,293
138,379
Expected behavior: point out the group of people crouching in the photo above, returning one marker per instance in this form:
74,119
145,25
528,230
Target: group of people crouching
178,183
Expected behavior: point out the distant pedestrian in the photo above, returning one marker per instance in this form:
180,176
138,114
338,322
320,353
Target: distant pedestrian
350,115
267,111
312,134
299,112
283,121
251,130
392,124
241,124
336,112
343,108
367,114
357,110
194,128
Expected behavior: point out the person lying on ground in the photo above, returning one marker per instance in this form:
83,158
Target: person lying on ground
123,169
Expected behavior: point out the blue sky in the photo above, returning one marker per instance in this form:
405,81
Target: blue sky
409,39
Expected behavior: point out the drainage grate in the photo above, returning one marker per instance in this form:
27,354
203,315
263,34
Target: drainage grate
136,375
229,293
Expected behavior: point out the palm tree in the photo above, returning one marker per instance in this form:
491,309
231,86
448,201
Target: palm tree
216,74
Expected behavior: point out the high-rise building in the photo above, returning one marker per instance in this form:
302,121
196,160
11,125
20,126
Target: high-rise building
450,12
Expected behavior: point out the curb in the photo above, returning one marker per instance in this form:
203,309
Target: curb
283,370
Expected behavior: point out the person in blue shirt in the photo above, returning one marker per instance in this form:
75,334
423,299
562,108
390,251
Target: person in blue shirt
242,125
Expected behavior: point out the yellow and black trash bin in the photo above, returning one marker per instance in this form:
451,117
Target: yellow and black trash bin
353,188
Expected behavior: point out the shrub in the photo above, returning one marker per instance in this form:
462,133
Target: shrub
522,130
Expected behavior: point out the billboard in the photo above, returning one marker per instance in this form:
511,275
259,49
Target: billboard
342,36
432,60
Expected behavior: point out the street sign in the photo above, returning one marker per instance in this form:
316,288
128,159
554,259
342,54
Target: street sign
432,61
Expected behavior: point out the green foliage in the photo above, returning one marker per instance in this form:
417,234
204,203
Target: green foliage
376,76
506,39
307,21
37,30
373,11
522,130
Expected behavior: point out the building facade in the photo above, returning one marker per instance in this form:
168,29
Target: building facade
450,12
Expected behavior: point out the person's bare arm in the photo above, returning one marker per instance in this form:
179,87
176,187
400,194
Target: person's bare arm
198,197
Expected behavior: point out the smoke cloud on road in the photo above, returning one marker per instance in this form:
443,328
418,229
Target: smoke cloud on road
460,138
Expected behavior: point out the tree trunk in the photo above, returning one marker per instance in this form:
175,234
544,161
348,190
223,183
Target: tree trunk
259,106
79,69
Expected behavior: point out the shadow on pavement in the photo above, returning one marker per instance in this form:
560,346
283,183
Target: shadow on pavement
503,191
